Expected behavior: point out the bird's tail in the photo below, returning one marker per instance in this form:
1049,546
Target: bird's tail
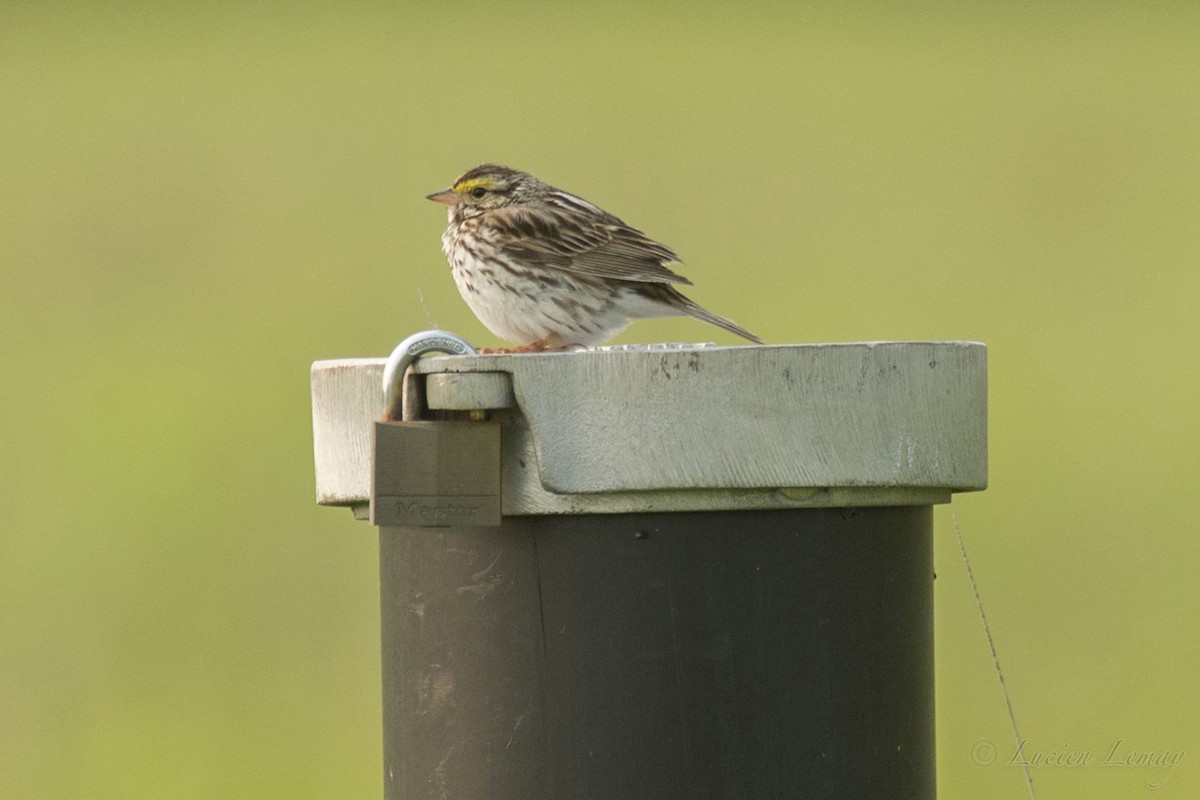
693,309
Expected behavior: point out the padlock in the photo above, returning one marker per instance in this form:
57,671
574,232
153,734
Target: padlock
436,474
429,473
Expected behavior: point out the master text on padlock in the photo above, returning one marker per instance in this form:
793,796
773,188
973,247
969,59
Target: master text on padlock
427,511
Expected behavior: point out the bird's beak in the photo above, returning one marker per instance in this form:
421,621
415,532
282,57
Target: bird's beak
447,197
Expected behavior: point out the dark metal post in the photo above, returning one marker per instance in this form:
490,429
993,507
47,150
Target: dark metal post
762,654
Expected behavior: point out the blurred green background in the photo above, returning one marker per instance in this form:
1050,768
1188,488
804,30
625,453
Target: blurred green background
201,199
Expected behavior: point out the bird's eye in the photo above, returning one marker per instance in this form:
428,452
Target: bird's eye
478,192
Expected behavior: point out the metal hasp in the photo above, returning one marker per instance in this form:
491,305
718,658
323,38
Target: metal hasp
712,578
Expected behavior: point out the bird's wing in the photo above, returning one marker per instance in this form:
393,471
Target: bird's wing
556,235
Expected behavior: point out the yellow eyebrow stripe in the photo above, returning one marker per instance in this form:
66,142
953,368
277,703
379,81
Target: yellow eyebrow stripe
477,183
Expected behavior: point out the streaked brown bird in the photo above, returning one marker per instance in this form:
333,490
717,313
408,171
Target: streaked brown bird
546,269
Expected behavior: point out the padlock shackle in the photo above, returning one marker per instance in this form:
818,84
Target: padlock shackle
408,351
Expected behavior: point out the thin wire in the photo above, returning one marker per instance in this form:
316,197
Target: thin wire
1012,716
425,308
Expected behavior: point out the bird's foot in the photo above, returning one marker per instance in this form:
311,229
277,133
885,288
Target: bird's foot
550,344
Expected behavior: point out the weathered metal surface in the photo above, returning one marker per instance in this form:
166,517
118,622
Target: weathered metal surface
693,427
